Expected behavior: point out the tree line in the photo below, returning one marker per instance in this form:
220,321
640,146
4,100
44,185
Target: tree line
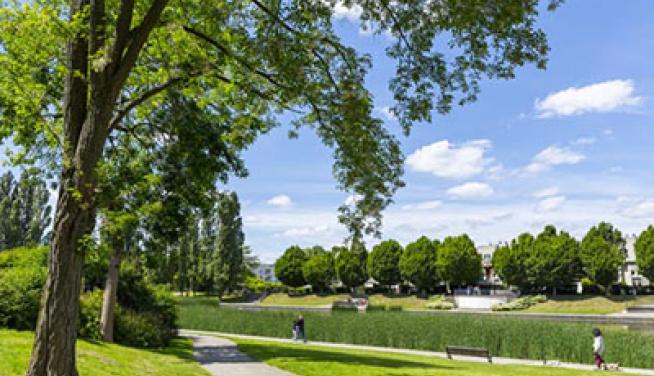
551,260
554,259
424,263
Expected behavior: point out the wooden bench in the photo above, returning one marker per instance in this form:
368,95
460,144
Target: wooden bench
468,351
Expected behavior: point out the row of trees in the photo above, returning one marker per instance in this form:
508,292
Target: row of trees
554,259
424,263
24,211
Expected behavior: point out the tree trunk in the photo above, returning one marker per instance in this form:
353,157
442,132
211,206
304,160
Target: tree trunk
110,290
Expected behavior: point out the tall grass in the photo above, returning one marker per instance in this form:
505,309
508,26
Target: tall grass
503,336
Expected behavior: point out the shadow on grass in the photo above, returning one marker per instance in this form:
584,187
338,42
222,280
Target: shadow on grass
264,352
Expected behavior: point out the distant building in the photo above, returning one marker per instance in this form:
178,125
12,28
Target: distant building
629,272
486,252
266,272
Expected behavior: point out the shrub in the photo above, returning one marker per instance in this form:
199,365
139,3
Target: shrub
383,307
140,330
22,275
439,303
89,315
520,303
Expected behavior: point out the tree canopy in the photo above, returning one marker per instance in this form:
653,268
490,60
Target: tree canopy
602,254
510,261
418,264
458,262
555,261
645,253
288,268
384,263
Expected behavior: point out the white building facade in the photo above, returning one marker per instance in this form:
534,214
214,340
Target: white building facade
266,272
629,272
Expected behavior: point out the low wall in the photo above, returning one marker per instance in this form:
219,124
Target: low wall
479,301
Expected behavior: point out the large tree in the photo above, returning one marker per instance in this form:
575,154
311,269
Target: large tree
510,261
384,263
602,255
645,253
228,263
319,271
458,262
555,261
288,268
351,268
72,72
418,264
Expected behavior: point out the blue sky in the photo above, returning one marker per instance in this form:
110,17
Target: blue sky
570,146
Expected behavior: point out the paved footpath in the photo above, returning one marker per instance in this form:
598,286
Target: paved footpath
496,360
221,357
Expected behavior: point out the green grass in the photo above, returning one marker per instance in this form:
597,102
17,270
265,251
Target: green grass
597,305
503,336
283,299
304,360
104,359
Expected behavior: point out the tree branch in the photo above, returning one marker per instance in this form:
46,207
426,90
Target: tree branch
141,99
122,29
138,38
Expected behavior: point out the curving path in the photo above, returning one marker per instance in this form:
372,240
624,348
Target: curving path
221,357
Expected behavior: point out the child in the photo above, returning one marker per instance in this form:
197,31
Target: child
598,349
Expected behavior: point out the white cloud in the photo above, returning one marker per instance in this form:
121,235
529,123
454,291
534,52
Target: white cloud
299,232
552,156
546,192
644,209
551,203
341,12
449,160
280,201
605,96
352,199
470,190
388,114
584,141
607,132
426,205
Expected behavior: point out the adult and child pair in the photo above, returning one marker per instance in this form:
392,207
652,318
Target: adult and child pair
298,329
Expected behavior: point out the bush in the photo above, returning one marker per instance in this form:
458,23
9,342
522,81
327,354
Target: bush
440,303
141,330
90,310
383,307
520,303
22,275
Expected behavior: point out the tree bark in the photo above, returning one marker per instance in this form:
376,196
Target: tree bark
110,291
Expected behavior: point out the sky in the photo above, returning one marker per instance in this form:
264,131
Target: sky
569,146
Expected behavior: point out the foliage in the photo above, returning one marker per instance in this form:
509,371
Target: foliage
288,268
458,262
351,268
22,275
503,336
228,259
440,303
520,303
418,264
510,261
645,253
319,271
555,261
383,263
24,211
89,315
601,261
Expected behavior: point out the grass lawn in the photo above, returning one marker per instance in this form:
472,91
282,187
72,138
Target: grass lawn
104,359
589,304
405,301
283,299
307,360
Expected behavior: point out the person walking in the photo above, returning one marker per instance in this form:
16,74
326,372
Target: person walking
598,349
294,329
299,325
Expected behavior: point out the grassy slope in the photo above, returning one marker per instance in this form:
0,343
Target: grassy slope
104,359
305,300
407,302
319,361
589,305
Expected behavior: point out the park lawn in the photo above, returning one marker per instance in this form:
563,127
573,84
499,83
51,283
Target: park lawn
404,301
100,359
598,305
283,299
307,360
